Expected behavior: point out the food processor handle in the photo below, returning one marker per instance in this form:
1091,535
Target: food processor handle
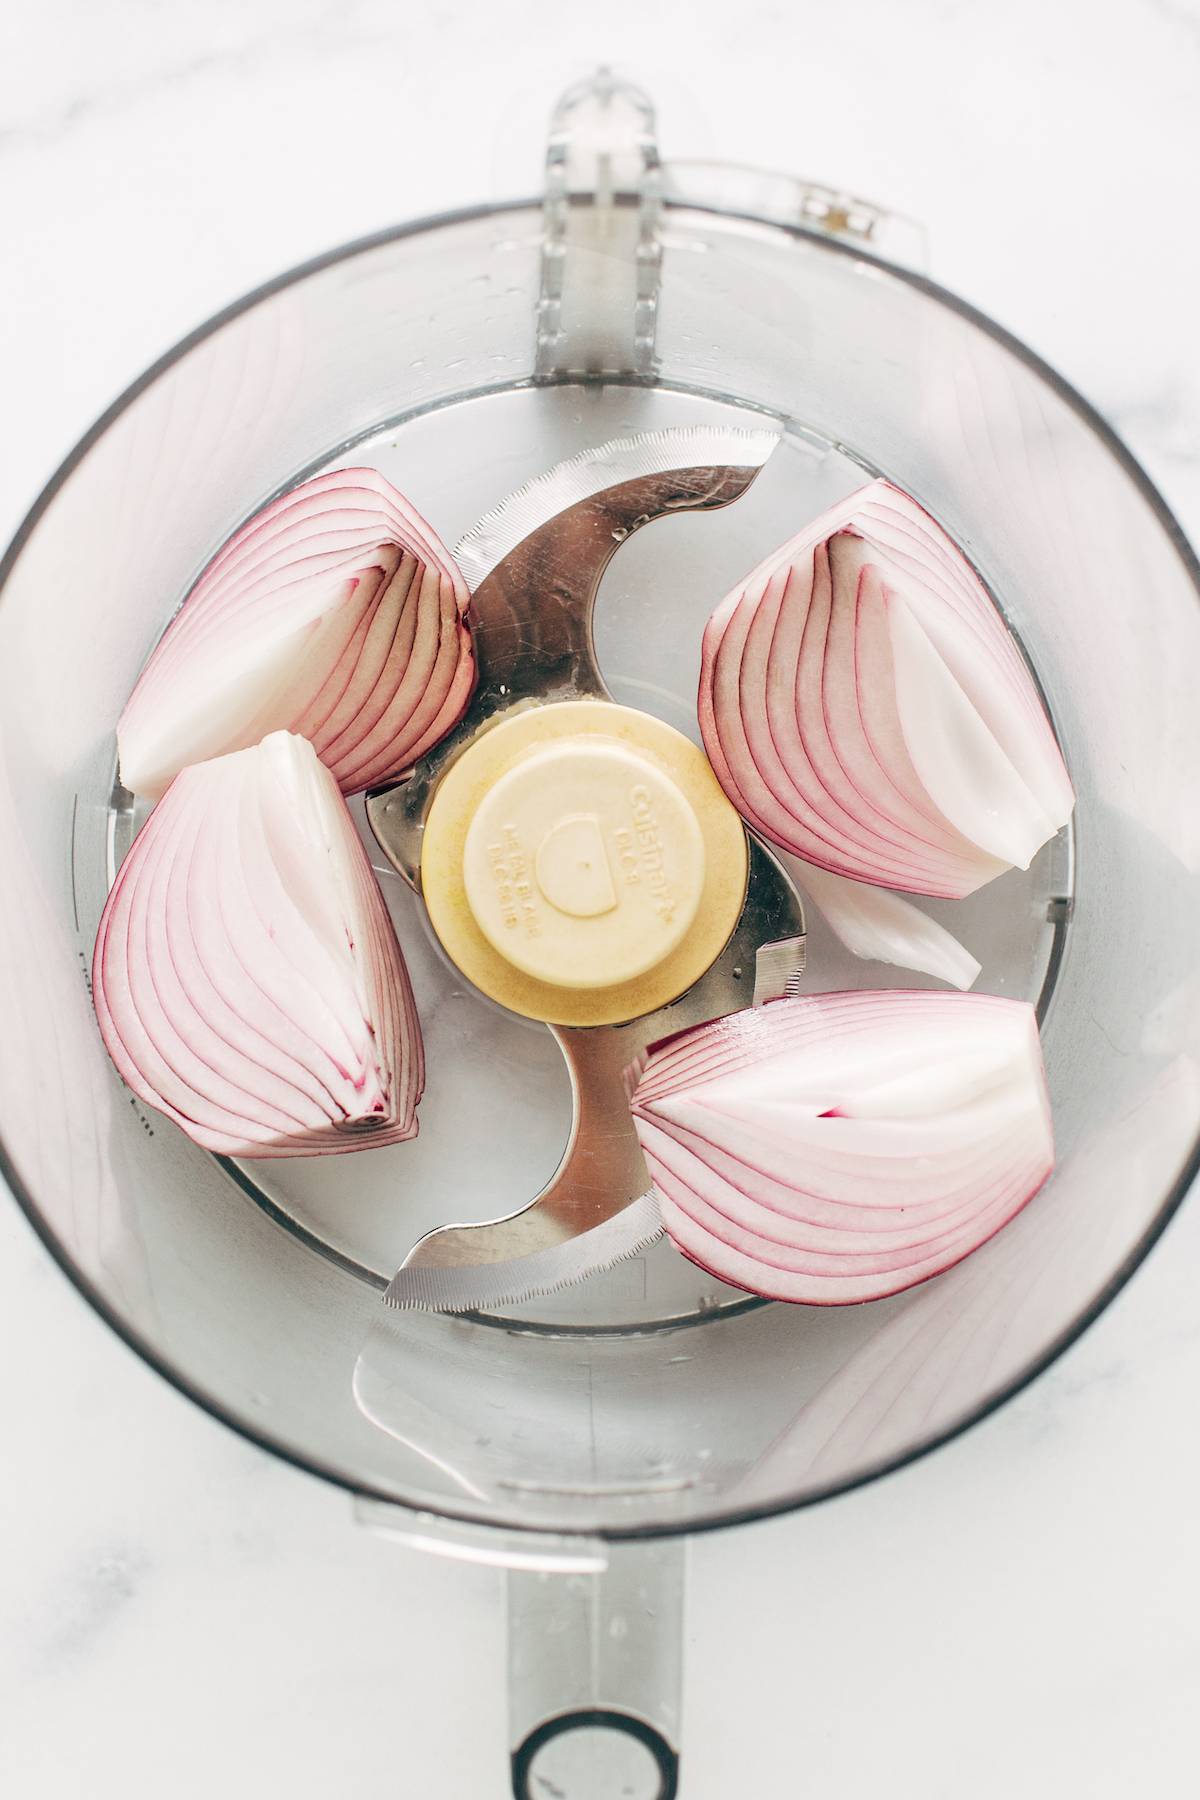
595,1663
595,1649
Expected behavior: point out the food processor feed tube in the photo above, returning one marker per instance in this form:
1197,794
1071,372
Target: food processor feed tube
577,1437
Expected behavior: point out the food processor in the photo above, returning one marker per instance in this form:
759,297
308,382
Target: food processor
579,1437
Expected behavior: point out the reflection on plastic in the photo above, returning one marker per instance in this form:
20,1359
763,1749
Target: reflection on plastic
927,1365
57,1085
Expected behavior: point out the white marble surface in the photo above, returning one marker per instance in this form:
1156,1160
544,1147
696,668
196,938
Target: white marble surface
181,1615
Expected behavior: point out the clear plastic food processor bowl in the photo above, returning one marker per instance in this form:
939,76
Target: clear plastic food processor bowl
585,1433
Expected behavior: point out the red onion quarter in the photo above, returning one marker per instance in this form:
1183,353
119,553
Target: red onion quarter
247,979
336,613
843,1147
864,706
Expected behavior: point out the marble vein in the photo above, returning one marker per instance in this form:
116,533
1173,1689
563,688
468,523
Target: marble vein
332,33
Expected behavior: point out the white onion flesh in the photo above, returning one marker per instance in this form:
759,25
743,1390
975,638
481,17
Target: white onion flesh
247,978
842,1147
878,925
865,707
335,613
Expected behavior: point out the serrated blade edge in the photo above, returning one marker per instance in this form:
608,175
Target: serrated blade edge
527,508
486,1286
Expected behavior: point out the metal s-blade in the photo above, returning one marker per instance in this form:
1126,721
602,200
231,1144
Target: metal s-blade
483,1287
535,564
523,512
599,1208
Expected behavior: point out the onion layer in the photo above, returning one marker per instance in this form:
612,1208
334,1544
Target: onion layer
247,979
336,613
882,927
865,707
842,1147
